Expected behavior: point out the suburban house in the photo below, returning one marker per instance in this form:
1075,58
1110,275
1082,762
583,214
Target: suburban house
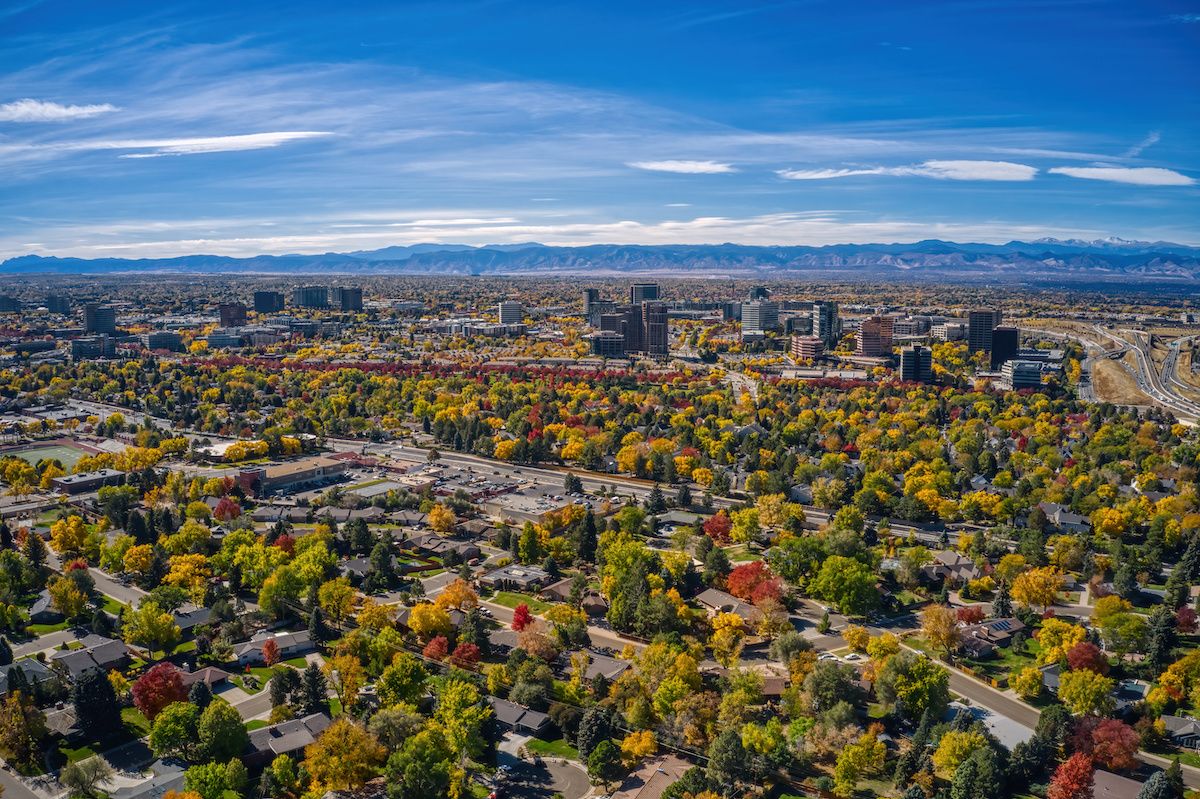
511,716
951,566
290,645
1062,518
983,639
98,653
456,616
189,616
267,743
515,577
1106,785
431,544
209,675
653,778
715,602
35,672
591,601
1184,731
42,610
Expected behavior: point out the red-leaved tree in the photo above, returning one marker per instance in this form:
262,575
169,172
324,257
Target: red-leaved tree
1073,779
1185,619
270,652
522,618
1086,655
743,580
227,510
969,614
157,688
465,656
1110,743
437,648
718,526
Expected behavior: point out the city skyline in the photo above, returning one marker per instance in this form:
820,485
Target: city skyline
148,132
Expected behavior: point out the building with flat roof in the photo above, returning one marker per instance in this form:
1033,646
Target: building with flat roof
516,577
916,364
163,340
87,481
607,344
99,318
1005,345
826,324
232,314
1016,374
58,303
759,316
807,348
310,297
293,475
874,337
981,322
101,346
510,312
642,292
348,298
268,301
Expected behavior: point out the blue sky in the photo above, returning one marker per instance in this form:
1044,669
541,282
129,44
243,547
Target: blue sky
146,130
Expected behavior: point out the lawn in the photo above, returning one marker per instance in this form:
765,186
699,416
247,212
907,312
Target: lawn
739,553
112,606
75,754
37,630
559,748
135,722
510,599
1005,661
256,724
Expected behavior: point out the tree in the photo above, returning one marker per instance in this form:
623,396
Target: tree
68,536
940,627
216,780
336,599
522,618
1073,779
1086,655
66,597
861,758
595,726
847,583
1156,787
914,684
343,758
200,694
175,732
221,731
637,745
421,767
728,761
458,595
978,777
1112,744
157,688
428,620
402,682
22,727
95,703
313,689
83,778
727,638
151,627
955,747
1085,692
1037,587
604,764
1027,682
460,713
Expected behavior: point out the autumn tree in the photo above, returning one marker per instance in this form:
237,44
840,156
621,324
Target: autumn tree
522,618
343,758
157,688
1085,692
1073,779
1039,586
939,625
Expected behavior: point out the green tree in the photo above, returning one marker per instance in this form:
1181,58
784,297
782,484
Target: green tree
151,627
95,703
421,767
175,732
84,777
401,682
914,684
1085,692
847,583
222,733
604,764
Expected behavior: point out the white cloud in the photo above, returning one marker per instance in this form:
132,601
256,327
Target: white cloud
206,144
1152,138
30,110
1137,176
684,167
941,170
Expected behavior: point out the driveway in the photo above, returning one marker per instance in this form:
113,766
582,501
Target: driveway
529,781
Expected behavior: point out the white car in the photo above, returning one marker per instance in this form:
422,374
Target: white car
827,656
853,657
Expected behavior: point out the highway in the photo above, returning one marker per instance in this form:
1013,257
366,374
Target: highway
1151,380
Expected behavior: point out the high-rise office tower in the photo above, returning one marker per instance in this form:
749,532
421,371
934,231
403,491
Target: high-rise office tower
99,318
58,303
589,296
980,324
510,312
1006,342
759,316
310,297
642,292
806,348
654,329
916,364
348,298
874,337
827,325
268,301
233,314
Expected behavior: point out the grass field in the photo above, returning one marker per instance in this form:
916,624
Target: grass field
559,748
67,456
1114,384
510,599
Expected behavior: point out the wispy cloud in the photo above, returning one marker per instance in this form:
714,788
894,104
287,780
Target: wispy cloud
1186,18
684,167
938,169
30,110
206,144
1152,138
1137,176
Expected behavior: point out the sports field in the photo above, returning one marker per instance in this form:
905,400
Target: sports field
67,456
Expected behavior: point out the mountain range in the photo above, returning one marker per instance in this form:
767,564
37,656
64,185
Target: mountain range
1099,260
